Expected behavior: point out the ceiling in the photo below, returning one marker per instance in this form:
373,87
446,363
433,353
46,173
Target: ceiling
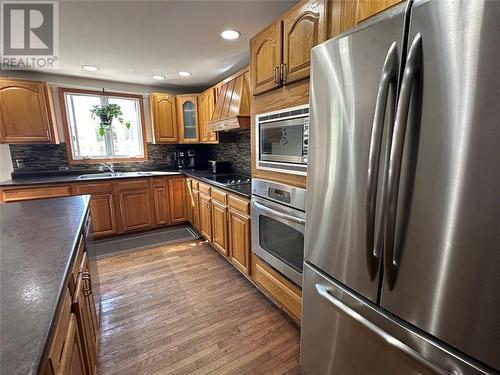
132,40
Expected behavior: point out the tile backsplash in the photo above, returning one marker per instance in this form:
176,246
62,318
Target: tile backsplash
49,157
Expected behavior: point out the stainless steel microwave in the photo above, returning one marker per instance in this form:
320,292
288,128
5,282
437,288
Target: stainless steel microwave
282,140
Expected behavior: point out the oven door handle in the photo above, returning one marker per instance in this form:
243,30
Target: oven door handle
279,214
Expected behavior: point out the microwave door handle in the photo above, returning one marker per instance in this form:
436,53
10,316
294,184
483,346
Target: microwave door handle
411,71
279,214
387,78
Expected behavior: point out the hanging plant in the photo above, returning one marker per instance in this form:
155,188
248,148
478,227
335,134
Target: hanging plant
106,114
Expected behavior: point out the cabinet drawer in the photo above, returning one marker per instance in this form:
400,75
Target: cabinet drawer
142,184
195,185
77,265
59,341
13,195
281,290
204,188
93,188
239,204
159,181
218,196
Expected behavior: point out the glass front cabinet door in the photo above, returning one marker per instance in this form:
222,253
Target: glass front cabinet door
188,110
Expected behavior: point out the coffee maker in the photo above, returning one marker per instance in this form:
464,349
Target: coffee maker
185,159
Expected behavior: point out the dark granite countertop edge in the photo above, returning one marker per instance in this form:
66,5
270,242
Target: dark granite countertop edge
44,356
67,178
231,189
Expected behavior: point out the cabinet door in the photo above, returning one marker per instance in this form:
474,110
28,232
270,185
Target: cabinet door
196,210
160,195
188,118
303,27
205,216
189,200
239,241
219,228
265,59
177,199
206,103
103,214
341,16
135,209
84,309
164,113
72,359
368,8
26,113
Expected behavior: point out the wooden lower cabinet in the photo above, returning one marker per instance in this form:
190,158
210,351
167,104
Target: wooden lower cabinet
160,196
84,309
196,210
205,216
177,199
219,227
103,215
239,240
73,346
135,209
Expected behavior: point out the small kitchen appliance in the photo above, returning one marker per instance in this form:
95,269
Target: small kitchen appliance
215,166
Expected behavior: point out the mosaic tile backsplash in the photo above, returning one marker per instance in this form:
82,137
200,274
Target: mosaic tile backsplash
48,157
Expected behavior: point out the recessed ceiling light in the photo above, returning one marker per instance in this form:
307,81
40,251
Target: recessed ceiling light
230,34
90,68
158,77
185,74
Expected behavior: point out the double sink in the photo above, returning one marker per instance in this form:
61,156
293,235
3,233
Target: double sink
93,176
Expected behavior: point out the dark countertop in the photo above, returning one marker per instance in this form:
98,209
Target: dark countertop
38,241
71,177
244,190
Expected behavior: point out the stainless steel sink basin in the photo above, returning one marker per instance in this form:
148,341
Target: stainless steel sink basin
93,176
98,175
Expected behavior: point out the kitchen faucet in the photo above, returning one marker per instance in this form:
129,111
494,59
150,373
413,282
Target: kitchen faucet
109,166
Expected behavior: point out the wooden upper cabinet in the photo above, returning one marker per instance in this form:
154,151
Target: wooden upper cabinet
265,59
177,199
368,8
164,117
206,105
26,112
281,53
341,16
304,26
187,110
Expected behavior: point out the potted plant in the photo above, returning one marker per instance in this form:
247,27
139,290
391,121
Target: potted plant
106,114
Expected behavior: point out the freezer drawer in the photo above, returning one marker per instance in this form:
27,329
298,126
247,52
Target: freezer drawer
343,334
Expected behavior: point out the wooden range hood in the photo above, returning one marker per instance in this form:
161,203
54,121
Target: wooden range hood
232,109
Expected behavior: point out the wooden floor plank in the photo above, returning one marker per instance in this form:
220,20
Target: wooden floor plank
183,309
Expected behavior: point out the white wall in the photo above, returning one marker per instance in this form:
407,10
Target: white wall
5,163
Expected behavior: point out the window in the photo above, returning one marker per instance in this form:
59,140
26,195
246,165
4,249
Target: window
85,143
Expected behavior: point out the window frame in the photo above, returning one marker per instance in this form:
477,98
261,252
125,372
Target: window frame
67,137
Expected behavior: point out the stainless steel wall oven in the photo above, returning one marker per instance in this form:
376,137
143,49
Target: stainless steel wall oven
278,224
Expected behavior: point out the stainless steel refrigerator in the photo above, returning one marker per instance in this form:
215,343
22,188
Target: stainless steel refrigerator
402,241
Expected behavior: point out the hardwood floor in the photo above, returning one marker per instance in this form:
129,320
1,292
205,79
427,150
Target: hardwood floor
183,309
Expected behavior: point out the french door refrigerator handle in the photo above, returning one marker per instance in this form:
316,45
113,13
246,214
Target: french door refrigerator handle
412,68
324,293
388,77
